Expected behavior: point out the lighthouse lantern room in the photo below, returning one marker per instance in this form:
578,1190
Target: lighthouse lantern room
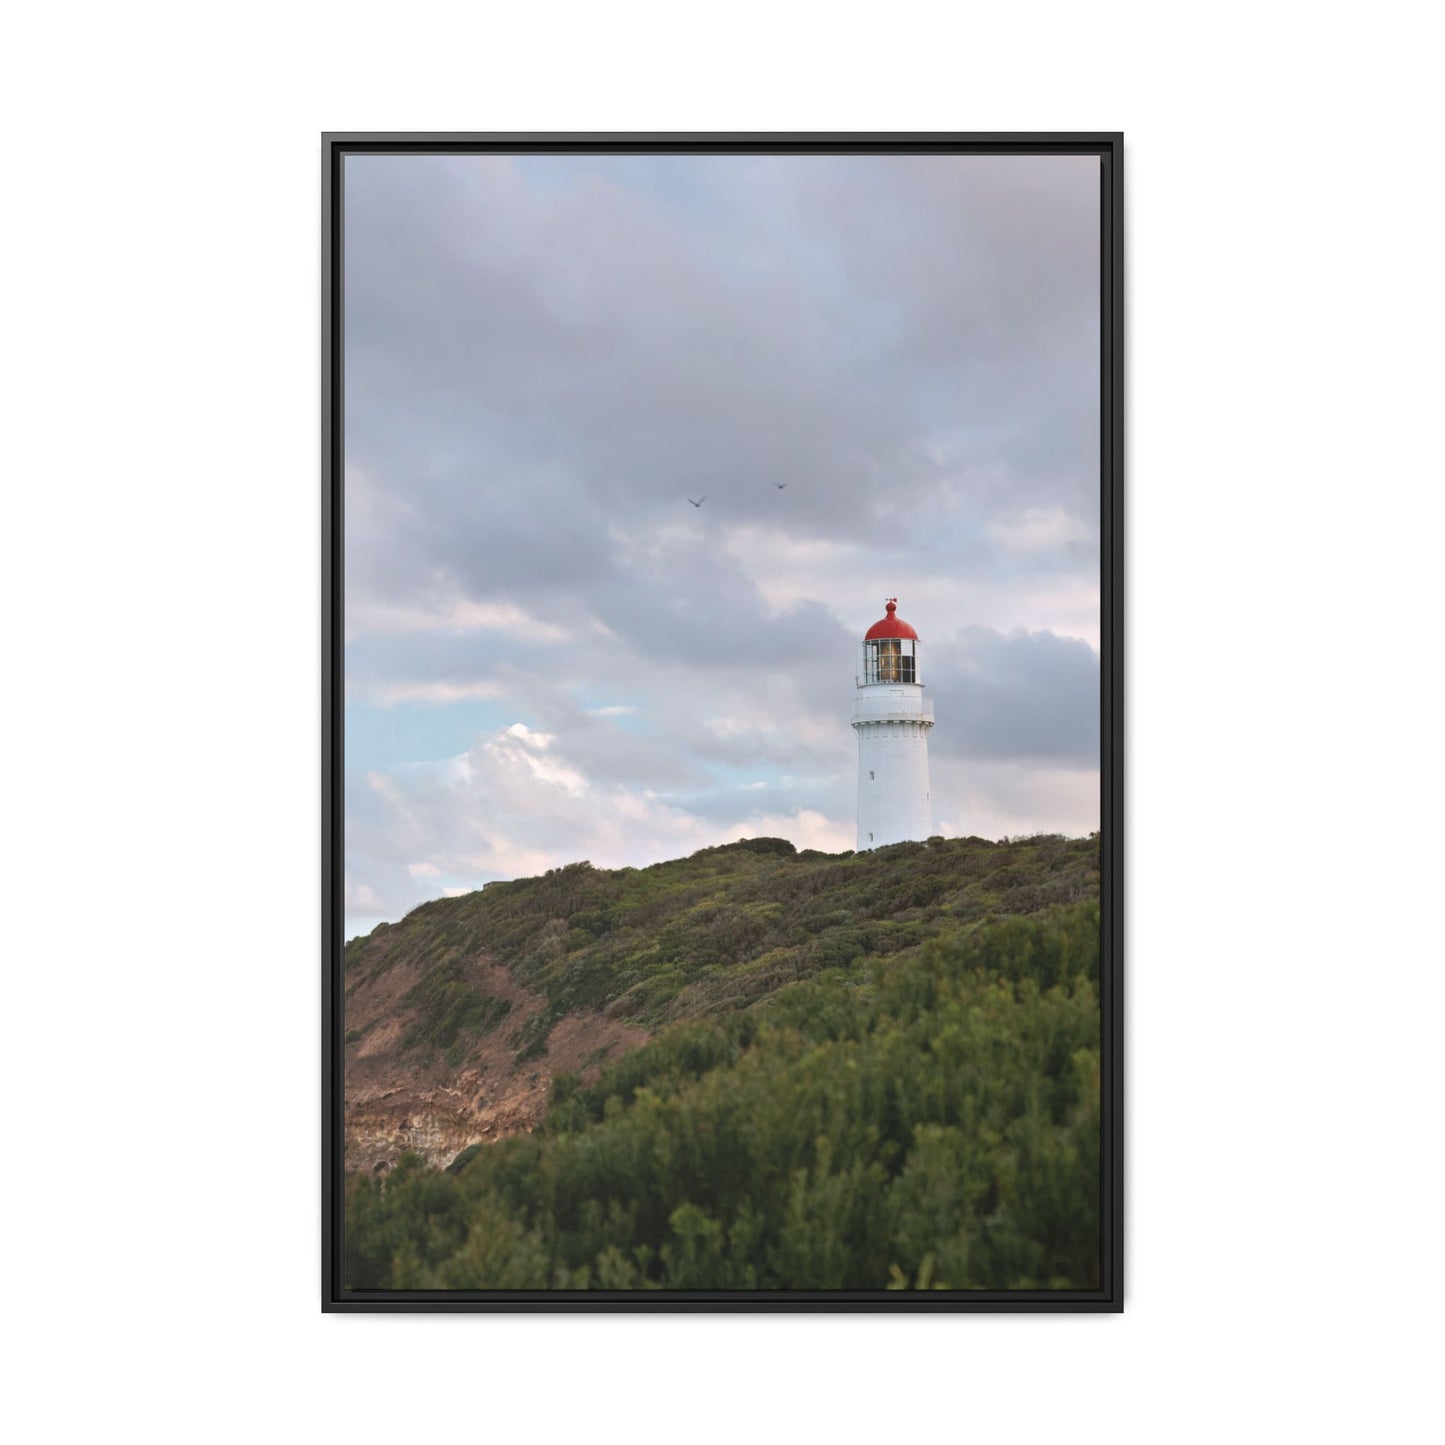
892,718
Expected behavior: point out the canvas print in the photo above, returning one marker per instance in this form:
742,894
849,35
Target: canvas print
721,772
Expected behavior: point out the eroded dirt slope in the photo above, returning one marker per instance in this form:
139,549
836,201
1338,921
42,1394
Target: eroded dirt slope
400,1100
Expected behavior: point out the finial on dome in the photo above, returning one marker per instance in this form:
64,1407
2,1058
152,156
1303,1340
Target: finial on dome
892,604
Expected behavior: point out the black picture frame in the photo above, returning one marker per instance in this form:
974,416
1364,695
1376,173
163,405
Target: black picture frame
1109,147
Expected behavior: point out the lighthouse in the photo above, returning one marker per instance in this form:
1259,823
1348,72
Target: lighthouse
892,718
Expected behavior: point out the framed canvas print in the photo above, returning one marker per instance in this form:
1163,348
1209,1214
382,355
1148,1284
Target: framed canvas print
722,752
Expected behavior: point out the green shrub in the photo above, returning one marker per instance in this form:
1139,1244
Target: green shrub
931,1124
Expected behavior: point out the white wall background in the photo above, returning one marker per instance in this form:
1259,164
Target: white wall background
161,271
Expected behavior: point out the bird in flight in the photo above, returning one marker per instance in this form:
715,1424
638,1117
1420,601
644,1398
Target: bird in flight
780,485
699,501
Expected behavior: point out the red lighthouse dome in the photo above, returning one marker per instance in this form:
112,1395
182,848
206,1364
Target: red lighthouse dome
890,626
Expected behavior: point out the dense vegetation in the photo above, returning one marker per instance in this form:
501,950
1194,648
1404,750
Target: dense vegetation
707,934
872,1079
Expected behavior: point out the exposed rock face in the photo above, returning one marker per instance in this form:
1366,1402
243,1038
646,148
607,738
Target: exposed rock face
399,1100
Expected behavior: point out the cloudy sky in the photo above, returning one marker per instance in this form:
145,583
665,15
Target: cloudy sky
551,655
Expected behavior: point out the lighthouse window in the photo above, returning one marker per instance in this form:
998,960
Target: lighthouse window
889,659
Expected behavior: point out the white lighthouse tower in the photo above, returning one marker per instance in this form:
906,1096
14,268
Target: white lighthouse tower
892,718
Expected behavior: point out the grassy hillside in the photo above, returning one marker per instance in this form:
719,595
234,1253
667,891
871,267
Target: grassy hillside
934,1122
866,1071
702,935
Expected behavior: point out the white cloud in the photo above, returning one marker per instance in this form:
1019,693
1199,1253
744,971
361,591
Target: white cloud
941,596
514,807
453,612
1039,529
360,898
394,692
1007,799
520,749
804,829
